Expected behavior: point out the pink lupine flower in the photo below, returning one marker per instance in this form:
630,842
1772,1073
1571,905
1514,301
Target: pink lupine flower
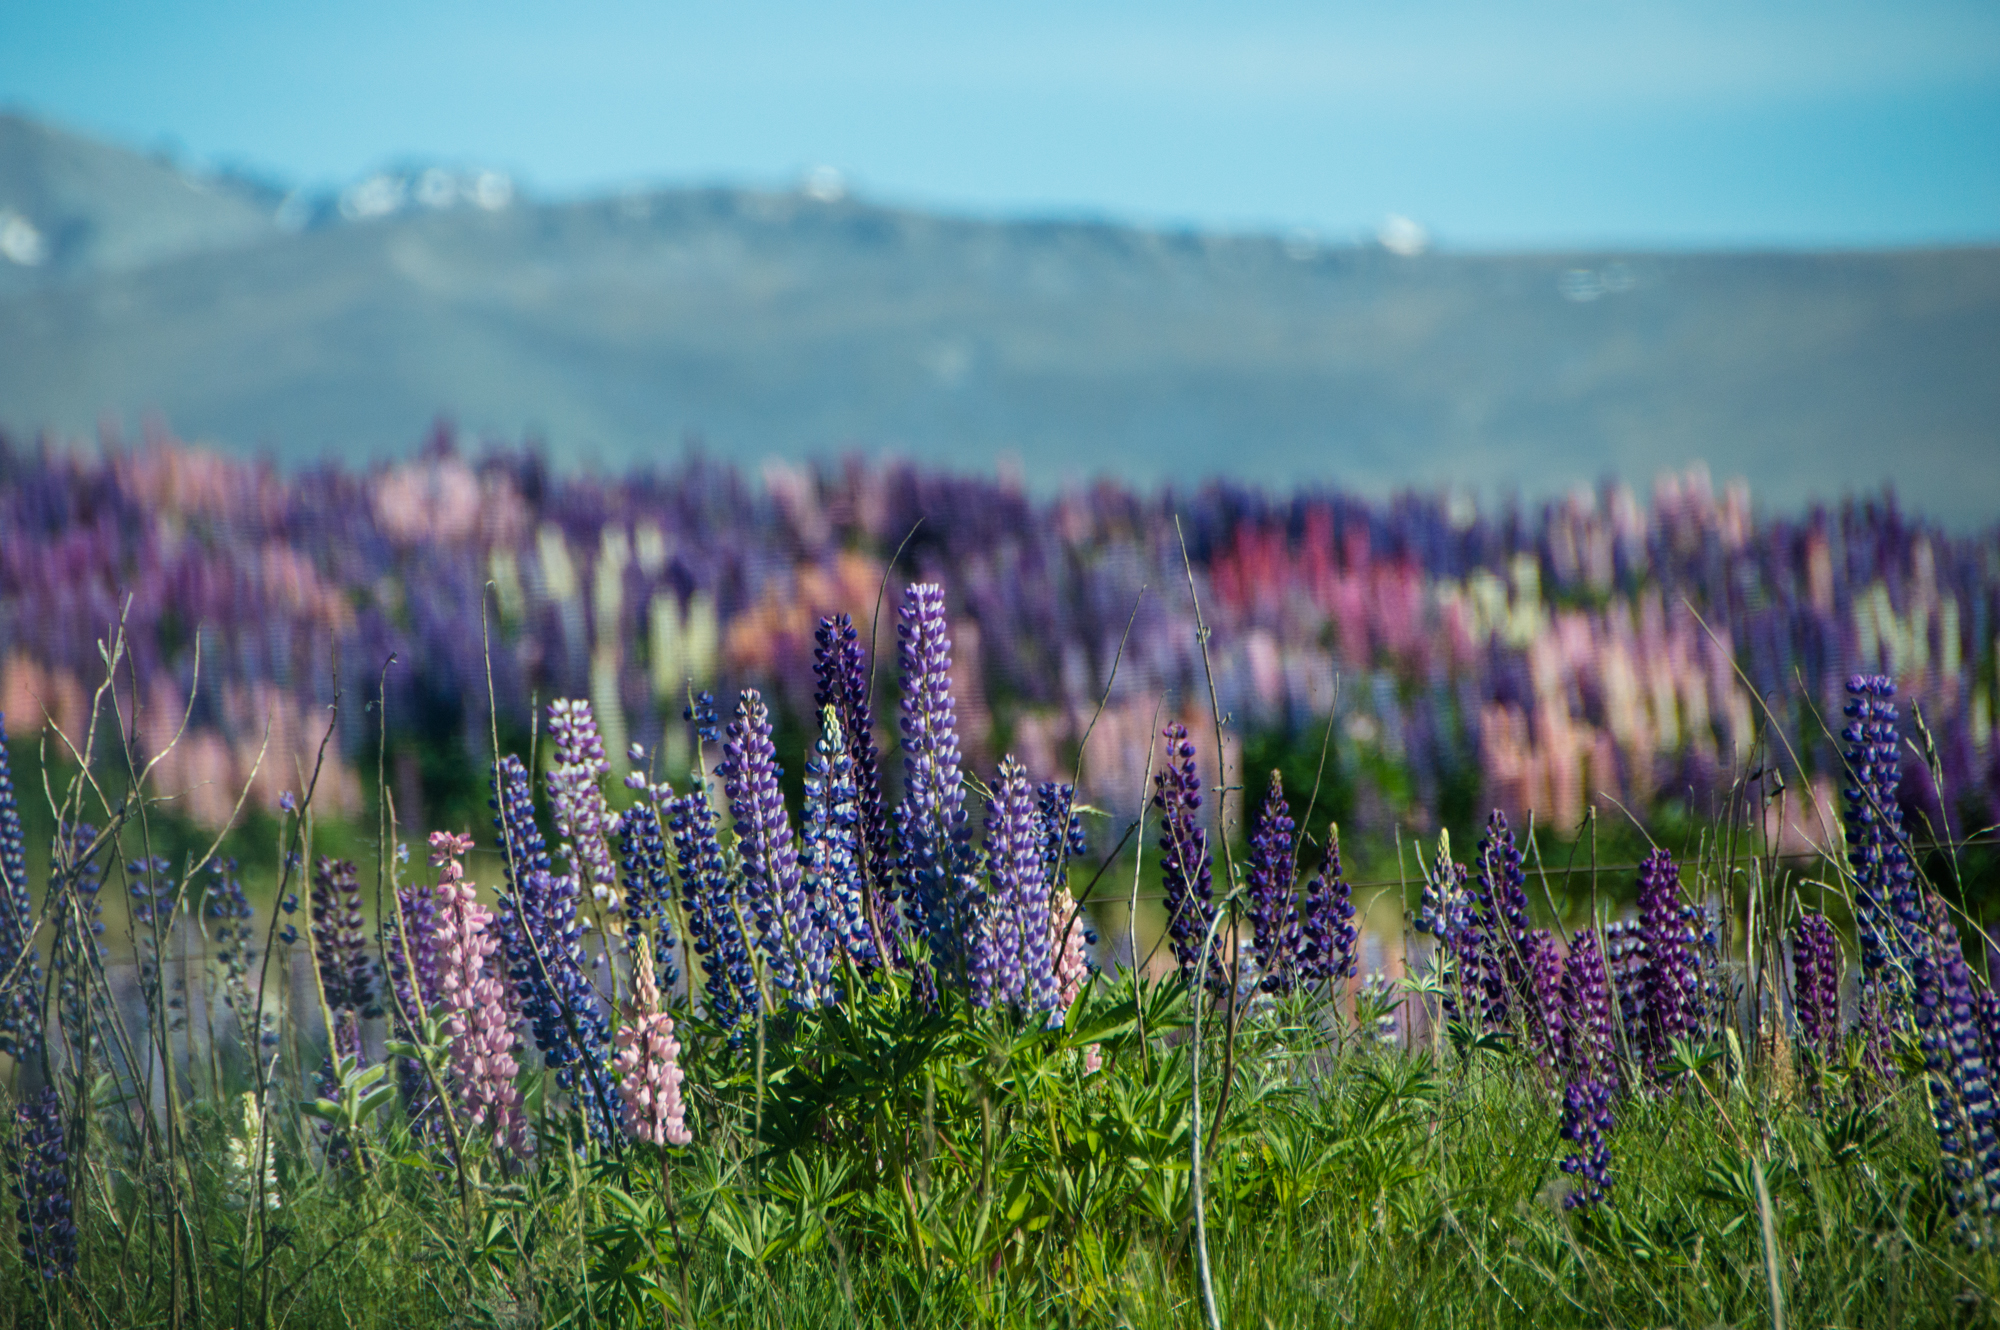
477,1025
1072,965
648,1063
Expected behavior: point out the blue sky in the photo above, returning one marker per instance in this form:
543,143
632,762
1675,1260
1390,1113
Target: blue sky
1532,124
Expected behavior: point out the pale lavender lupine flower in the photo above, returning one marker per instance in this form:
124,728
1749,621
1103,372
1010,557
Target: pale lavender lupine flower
583,818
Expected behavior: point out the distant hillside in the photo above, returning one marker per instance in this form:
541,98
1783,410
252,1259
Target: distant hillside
782,324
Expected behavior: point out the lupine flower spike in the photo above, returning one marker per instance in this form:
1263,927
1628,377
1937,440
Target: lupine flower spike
475,1001
1586,1117
932,822
20,1020
1327,931
649,1073
1816,985
39,1164
789,930
1673,990
1185,866
1274,909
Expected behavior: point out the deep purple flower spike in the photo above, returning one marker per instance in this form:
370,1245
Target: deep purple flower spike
1185,865
1274,908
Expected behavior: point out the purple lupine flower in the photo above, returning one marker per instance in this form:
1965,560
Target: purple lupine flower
1274,908
1060,829
1327,930
1185,866
1503,898
709,901
414,981
1628,960
76,949
793,939
702,716
20,971
1673,990
936,834
340,939
1586,1118
576,796
1961,1092
1542,998
1449,911
1816,985
39,1165
1888,906
842,678
832,846
648,885
1013,957
1589,1045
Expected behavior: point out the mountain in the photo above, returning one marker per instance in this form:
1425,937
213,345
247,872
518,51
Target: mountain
784,324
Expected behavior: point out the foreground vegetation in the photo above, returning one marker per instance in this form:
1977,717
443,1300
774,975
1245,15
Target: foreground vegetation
874,1069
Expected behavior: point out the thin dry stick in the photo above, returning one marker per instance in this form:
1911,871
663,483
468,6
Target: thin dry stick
1195,1186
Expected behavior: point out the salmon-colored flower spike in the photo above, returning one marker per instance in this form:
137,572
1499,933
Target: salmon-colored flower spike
479,1031
648,1064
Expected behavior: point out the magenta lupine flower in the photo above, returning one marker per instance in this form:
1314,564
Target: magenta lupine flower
1590,1045
787,929
932,821
1327,931
1816,984
648,1064
1185,866
1673,990
576,795
1274,909
478,1022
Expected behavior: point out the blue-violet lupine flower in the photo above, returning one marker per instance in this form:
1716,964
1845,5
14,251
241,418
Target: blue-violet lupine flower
648,886
1673,990
1185,867
340,940
1542,998
543,942
832,845
1504,898
709,902
1274,908
39,1164
791,936
20,971
1888,910
1586,1118
1013,959
79,926
936,833
1816,985
1961,1092
1449,911
1327,931
842,678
